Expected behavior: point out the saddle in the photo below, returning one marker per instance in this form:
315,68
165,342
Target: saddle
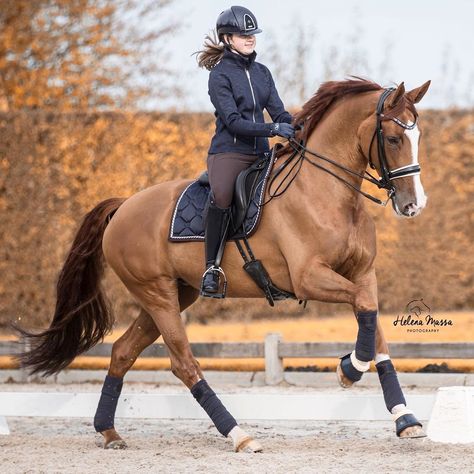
187,223
244,192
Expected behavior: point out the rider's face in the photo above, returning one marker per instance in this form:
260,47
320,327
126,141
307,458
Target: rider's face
243,44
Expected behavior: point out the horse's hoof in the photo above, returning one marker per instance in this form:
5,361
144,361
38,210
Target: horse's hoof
413,432
249,445
116,444
344,382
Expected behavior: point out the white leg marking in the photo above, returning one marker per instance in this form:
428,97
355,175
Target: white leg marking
243,442
360,365
381,357
398,408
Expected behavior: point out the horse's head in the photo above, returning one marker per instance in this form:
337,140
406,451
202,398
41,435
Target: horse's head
395,154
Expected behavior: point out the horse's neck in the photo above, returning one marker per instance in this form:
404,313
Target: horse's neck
336,138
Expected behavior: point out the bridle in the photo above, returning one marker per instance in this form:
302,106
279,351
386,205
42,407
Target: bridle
388,175
299,155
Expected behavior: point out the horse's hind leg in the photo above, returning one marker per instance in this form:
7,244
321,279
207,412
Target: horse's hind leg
125,350
160,299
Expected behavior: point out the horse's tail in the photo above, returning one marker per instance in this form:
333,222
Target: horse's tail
83,315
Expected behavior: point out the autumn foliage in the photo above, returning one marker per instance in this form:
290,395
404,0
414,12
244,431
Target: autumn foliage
54,167
82,54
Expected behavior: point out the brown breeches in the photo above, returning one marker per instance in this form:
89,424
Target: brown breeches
223,170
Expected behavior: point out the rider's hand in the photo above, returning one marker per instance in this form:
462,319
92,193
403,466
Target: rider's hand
283,129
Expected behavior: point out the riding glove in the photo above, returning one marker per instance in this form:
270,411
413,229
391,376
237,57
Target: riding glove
282,129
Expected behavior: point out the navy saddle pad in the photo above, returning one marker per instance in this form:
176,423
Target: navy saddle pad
187,222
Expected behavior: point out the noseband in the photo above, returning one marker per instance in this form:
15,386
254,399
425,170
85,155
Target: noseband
386,175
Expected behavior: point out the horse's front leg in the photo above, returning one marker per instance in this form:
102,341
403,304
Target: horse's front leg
319,282
406,424
159,298
365,307
352,366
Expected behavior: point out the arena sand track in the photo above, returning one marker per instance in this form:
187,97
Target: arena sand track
60,445
57,445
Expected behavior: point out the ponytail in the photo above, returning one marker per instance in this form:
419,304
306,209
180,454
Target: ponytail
212,52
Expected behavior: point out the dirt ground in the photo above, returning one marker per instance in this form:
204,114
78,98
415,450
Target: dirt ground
53,445
60,445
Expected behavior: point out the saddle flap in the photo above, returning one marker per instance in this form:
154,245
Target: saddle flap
245,186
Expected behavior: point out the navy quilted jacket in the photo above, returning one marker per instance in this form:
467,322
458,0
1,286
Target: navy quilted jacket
240,89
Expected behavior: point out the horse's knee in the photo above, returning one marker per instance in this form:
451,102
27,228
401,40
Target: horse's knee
364,302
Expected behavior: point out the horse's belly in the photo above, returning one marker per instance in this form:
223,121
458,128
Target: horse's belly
189,264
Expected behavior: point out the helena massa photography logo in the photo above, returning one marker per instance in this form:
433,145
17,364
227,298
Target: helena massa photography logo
418,318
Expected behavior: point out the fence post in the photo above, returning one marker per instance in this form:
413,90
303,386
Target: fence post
273,362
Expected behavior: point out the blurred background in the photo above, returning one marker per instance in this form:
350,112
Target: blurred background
102,98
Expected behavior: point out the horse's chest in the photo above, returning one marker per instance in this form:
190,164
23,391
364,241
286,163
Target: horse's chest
356,250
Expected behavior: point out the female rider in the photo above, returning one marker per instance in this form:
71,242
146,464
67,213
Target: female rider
239,88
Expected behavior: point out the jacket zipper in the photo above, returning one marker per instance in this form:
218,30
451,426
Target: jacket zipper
254,105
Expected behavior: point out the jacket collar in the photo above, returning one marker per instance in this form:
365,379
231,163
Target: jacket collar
244,61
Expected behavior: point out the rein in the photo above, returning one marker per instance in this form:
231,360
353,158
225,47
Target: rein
298,156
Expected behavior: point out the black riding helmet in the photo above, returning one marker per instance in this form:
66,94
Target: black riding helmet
238,20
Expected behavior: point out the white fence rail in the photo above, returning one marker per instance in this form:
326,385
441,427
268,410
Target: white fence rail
274,350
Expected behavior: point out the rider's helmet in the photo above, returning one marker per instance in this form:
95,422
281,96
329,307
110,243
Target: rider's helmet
238,20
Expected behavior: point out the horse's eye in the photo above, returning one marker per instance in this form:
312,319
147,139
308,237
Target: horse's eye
393,140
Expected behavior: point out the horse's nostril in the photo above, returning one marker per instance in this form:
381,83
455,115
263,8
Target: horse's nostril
410,210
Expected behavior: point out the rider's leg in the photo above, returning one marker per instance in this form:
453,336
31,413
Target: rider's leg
216,230
223,170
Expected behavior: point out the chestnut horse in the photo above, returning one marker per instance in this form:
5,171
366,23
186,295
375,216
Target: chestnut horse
317,241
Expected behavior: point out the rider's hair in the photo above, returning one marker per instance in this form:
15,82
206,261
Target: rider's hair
212,52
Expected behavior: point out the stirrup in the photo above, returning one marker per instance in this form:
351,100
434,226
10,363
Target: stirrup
221,291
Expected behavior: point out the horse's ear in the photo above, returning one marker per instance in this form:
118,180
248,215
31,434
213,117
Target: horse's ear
417,94
394,97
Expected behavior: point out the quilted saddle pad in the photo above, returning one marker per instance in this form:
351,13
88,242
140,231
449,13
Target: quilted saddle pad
187,222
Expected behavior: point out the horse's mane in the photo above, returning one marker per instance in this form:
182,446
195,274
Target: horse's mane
328,93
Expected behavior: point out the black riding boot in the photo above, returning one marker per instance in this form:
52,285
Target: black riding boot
217,224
